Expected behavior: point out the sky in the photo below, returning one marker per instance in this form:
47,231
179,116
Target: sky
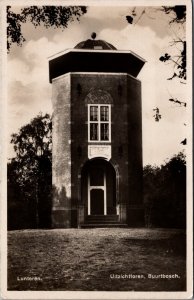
29,90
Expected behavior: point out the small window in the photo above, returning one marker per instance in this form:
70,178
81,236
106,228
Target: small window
97,47
99,123
104,113
94,132
104,132
93,113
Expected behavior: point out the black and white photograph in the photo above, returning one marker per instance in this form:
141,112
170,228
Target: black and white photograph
96,163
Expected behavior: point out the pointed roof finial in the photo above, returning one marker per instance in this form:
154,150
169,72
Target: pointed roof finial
93,35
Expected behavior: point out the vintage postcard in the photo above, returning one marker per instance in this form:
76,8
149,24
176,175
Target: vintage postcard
96,157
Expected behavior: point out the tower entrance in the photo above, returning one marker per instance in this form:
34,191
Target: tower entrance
99,188
97,196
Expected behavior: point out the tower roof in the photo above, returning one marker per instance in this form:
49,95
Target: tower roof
87,56
95,44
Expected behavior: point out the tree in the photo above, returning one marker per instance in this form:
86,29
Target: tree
30,172
165,193
177,15
17,208
49,16
151,186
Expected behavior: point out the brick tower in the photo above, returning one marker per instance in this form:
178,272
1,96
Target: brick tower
97,137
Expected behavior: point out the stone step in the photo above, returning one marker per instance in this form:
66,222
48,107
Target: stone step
108,215
102,219
102,225
115,217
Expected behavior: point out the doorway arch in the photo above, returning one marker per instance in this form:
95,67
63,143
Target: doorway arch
98,187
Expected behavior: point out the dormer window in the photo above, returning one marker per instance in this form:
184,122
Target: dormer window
99,119
98,48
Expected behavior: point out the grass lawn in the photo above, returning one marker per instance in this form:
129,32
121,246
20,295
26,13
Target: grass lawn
87,259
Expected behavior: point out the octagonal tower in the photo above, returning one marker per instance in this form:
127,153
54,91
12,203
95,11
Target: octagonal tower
97,136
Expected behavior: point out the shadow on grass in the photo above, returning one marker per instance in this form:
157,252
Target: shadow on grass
175,245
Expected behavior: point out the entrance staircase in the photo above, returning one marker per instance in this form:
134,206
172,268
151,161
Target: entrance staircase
102,221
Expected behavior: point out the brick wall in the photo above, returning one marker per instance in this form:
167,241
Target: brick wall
61,152
126,139
70,141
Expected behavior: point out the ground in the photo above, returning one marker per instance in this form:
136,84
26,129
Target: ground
86,259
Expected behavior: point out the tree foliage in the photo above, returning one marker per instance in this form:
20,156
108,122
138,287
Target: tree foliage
157,116
30,173
180,70
49,16
177,15
165,193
